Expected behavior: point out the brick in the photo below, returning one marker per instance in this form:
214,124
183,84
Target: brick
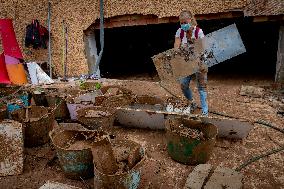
225,178
196,178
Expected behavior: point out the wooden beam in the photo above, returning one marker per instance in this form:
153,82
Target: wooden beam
134,20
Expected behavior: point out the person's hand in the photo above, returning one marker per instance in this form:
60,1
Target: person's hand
203,68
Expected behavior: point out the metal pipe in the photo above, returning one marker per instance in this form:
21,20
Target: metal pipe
49,40
101,36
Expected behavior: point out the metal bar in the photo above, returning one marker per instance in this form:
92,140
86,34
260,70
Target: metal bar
49,40
101,37
66,49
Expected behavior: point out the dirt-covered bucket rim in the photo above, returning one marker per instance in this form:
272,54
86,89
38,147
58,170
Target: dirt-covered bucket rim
52,135
143,159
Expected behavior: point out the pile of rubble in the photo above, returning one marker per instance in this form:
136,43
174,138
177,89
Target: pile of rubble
86,117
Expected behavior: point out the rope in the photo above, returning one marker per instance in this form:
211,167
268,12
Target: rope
261,122
101,37
256,158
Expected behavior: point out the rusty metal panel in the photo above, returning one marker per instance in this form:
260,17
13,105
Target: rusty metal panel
264,8
12,148
230,128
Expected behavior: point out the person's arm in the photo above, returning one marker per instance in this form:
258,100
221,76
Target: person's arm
177,43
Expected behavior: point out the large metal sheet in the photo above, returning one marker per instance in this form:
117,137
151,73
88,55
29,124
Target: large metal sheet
222,45
152,118
140,118
230,128
217,47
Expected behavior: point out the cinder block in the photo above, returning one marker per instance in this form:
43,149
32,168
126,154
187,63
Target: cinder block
11,148
196,178
225,178
56,185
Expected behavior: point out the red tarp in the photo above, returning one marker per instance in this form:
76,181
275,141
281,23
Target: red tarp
4,78
9,41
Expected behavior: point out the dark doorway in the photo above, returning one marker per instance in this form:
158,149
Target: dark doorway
128,50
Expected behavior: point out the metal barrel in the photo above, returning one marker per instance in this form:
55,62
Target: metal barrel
36,126
187,149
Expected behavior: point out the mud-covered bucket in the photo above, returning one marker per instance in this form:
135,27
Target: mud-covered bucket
3,112
189,140
58,102
116,96
37,122
130,157
74,104
75,156
40,99
96,117
20,102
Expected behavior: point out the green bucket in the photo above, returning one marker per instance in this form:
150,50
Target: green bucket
186,148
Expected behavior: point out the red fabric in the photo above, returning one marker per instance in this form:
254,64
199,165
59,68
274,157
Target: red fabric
4,78
196,32
43,31
9,41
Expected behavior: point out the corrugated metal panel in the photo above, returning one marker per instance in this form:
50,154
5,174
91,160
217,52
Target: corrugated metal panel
264,8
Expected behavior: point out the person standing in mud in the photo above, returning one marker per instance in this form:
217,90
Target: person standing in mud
185,36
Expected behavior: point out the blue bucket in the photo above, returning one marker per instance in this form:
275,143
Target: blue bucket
11,107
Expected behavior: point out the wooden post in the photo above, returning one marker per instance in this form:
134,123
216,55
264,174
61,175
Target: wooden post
279,77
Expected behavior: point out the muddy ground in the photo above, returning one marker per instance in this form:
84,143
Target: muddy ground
160,170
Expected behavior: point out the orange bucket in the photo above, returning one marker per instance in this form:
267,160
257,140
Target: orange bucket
17,74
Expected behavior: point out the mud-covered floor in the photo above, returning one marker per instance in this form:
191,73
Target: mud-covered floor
162,172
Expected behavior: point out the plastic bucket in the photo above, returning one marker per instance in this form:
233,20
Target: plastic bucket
25,102
37,122
187,148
